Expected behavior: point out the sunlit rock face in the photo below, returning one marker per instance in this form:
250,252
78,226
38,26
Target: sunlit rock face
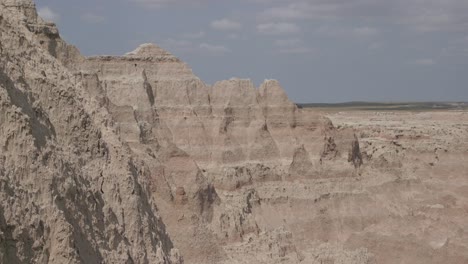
231,122
134,159
70,190
206,144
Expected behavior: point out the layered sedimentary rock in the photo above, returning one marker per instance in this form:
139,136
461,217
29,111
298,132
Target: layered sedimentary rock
214,145
70,191
230,122
134,159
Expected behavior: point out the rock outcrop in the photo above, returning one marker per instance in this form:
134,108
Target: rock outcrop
70,191
134,159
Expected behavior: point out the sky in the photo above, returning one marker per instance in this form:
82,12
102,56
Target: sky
320,50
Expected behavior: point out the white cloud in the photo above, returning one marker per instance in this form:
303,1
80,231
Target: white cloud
226,24
280,28
418,15
47,14
92,18
214,49
435,15
300,10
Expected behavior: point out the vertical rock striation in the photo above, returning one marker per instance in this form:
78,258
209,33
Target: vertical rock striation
70,191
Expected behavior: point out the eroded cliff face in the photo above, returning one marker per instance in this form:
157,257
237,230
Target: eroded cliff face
211,147
133,159
70,191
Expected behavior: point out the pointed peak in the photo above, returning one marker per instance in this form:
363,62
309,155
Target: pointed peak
271,82
149,50
271,87
244,81
272,93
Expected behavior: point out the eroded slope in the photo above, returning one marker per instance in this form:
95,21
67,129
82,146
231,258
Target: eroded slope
70,191
122,159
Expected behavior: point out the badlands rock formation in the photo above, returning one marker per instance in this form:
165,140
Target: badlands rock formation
70,191
133,159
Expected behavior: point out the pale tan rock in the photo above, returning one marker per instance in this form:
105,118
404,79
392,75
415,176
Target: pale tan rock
133,159
70,191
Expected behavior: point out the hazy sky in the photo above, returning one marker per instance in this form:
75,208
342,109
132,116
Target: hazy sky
320,50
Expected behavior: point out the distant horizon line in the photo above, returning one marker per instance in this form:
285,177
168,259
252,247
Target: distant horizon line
384,102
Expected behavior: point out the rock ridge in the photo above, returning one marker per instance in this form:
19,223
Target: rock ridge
130,147
134,159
